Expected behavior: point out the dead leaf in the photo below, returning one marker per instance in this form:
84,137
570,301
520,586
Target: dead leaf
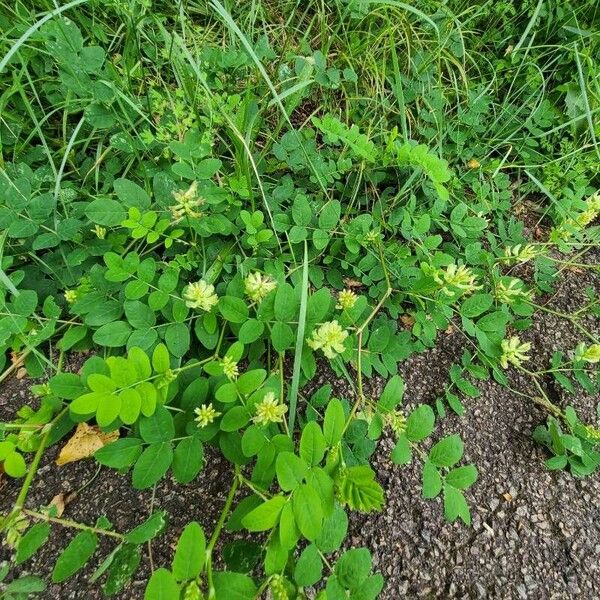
508,497
352,283
22,372
407,321
84,443
450,329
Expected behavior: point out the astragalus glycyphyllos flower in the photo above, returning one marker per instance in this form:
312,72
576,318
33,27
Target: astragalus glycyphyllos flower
346,300
456,278
514,352
521,253
329,337
511,290
206,414
70,296
230,367
200,295
258,286
187,203
269,410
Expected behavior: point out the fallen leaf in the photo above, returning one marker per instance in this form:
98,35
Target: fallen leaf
60,501
407,321
84,443
350,283
21,372
508,497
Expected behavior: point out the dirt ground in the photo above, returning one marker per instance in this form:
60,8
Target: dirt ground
535,533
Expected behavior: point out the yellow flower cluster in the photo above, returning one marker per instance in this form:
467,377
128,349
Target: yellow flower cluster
187,203
200,295
206,414
520,253
258,286
329,338
346,300
230,367
269,410
514,352
455,278
510,291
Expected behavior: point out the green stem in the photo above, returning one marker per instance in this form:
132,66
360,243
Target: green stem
217,532
73,524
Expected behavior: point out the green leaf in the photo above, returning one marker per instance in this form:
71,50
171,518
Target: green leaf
282,336
250,331
119,454
66,385
420,423
432,481
32,541
291,470
250,381
476,305
330,215
161,586
233,309
131,194
353,567
188,459
148,530
74,556
159,427
265,515
309,567
152,465
177,339
455,505
334,422
333,531
447,452
312,443
402,453
106,212
14,465
160,359
392,394
190,553
308,511
286,303
125,562
234,586
462,477
112,335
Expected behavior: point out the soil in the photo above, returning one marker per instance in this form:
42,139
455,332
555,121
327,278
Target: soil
535,533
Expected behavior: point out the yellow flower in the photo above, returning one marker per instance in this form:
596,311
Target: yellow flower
268,410
456,278
230,368
514,352
473,164
520,253
346,300
200,295
70,296
397,422
206,414
100,232
330,338
187,202
258,286
511,291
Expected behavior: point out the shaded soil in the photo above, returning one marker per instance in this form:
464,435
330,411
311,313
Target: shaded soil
535,533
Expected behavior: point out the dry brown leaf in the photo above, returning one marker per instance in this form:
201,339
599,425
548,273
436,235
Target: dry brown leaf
352,283
84,443
60,501
21,372
407,321
508,497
